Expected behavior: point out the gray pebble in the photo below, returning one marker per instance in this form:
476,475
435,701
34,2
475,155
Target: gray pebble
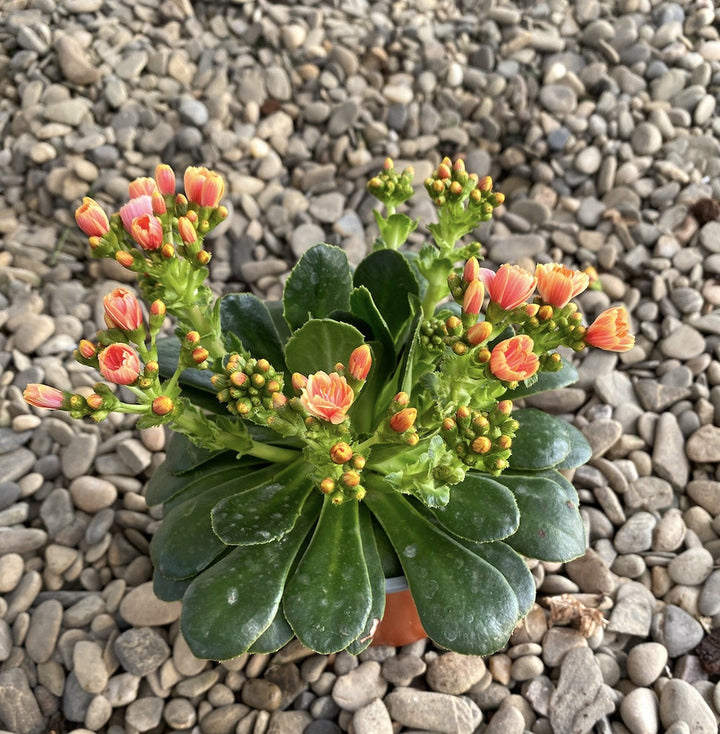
680,701
681,632
19,710
434,711
141,650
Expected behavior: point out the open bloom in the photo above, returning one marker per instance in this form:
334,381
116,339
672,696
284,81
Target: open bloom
120,364
135,208
611,331
122,310
513,360
91,218
360,362
43,396
509,287
557,284
202,186
327,397
147,231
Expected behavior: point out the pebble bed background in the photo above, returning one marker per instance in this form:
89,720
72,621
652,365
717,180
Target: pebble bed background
596,119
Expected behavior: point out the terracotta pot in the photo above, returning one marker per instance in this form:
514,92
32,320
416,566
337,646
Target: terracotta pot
400,624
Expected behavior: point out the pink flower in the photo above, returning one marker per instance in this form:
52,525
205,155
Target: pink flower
473,298
471,271
165,179
202,186
122,310
557,285
120,364
44,396
509,287
91,218
327,397
147,231
360,362
142,187
187,231
513,360
135,208
611,331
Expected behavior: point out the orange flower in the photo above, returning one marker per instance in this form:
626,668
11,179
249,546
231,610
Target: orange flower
91,218
327,397
513,360
44,396
509,287
557,284
122,310
186,230
473,298
479,332
471,271
120,364
142,187
165,179
360,362
147,231
202,186
611,331
135,208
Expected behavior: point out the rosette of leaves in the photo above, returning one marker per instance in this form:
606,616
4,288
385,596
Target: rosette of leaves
258,555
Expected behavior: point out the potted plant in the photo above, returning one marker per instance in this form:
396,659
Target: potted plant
363,428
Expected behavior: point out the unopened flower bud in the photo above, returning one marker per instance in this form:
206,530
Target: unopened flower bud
298,381
157,308
504,442
351,478
200,354
404,419
443,172
167,251
401,399
327,485
485,184
448,424
459,348
152,367
341,453
87,349
481,445
162,405
158,203
94,401
360,362
545,312
462,412
186,230
279,400
453,325
471,271
263,365
478,333
203,257
238,379
192,337
165,179
505,407
532,309
358,462
124,258
412,439
483,356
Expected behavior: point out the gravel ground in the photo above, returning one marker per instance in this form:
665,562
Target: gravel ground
596,119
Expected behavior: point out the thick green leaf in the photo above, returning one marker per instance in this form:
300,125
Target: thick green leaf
513,568
388,557
169,589
319,284
569,493
566,375
362,304
479,509
266,512
328,599
320,344
183,455
185,543
246,316
229,606
465,604
275,309
391,281
540,442
551,528
580,451
277,635
377,582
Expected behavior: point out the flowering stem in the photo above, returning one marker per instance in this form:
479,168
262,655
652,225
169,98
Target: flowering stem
210,340
275,454
436,291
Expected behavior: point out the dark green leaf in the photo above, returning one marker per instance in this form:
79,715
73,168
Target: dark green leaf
377,581
277,635
540,442
513,568
266,512
363,305
275,309
551,528
391,282
479,509
319,284
183,455
388,557
185,543
328,598
580,451
566,375
320,344
246,316
168,589
229,606
465,604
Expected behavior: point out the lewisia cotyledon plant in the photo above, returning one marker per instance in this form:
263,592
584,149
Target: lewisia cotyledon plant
360,429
